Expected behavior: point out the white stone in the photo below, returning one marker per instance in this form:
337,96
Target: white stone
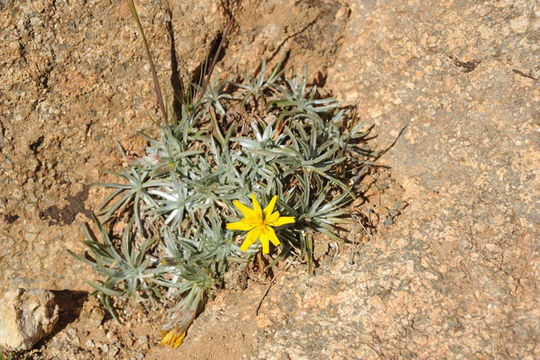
26,316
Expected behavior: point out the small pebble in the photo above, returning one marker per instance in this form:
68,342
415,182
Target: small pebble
142,342
113,351
96,318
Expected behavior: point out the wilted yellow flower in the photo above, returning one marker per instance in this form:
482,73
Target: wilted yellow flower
259,223
172,338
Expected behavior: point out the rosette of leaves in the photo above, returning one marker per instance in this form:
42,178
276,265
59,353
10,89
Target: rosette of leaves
307,150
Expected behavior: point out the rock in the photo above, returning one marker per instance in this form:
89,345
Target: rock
458,270
519,24
44,167
113,351
264,30
96,317
454,276
26,317
142,342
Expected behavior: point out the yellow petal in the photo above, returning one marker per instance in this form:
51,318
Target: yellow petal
270,207
168,338
273,217
250,239
256,207
253,220
241,225
179,341
272,236
282,221
247,212
263,236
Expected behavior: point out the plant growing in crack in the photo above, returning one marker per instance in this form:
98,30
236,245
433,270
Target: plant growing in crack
180,199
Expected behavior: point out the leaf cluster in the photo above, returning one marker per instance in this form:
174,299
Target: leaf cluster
178,197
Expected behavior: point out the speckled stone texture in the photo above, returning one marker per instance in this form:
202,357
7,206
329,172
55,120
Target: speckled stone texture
74,80
26,316
458,275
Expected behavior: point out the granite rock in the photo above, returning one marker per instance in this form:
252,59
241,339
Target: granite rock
457,275
26,317
74,80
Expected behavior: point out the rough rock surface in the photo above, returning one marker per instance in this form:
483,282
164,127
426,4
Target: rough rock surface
26,316
298,32
456,276
310,32
74,80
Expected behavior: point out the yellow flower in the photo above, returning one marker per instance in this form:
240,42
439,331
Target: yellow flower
259,224
172,338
